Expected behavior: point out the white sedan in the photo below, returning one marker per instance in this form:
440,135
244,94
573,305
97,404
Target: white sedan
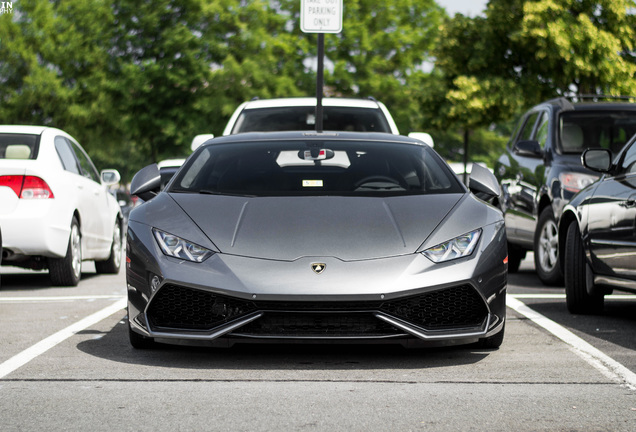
55,209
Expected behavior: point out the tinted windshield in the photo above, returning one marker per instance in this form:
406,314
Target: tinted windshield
593,129
304,118
316,168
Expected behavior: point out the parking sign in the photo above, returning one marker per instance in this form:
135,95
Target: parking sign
321,16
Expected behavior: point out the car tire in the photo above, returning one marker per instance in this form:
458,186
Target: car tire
515,256
493,342
113,263
67,271
140,342
546,249
577,298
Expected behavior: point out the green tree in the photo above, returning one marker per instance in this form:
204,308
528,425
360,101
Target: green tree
581,47
135,81
260,55
525,51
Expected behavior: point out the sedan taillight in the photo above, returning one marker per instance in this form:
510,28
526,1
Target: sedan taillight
27,187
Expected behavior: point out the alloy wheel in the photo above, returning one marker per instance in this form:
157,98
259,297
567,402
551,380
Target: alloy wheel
76,251
549,246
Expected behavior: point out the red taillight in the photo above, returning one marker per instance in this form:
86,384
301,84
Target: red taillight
27,187
14,182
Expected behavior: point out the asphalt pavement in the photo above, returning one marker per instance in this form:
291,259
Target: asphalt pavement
66,364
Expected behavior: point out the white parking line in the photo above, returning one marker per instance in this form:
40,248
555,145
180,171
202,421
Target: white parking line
46,299
44,345
562,296
605,364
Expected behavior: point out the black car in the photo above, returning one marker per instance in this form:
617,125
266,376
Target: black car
541,171
597,233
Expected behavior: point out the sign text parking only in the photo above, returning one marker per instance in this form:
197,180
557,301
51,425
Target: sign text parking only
321,16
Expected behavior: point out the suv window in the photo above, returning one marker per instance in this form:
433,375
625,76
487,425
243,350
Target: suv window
528,127
304,118
593,129
542,130
628,165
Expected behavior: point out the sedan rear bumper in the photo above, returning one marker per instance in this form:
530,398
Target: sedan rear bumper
35,227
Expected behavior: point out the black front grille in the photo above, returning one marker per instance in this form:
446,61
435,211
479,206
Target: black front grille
176,307
294,324
187,308
447,308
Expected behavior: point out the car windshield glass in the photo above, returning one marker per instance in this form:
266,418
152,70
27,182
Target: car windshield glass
304,118
18,146
595,129
316,167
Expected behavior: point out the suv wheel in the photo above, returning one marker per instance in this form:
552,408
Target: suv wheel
578,300
546,249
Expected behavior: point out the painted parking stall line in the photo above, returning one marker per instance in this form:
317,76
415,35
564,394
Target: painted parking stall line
602,362
562,296
47,299
44,345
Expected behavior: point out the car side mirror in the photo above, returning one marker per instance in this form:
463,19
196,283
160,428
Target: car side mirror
529,148
483,183
146,184
200,139
599,160
110,177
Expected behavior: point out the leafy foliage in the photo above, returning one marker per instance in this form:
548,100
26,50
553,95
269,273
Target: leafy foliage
525,51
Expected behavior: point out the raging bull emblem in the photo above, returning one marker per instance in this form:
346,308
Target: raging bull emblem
318,267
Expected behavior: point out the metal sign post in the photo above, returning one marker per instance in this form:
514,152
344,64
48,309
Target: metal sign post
320,80
320,16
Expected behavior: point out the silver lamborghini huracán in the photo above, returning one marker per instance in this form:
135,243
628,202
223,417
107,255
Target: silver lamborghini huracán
305,236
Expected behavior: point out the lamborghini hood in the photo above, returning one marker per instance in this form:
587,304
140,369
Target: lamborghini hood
288,228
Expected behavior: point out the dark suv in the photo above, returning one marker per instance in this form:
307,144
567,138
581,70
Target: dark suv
541,170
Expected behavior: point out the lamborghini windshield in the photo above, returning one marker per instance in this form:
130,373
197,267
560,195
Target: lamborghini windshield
316,167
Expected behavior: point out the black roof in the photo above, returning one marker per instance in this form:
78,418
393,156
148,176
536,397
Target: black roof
604,103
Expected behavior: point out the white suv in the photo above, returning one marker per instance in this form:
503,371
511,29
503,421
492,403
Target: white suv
339,114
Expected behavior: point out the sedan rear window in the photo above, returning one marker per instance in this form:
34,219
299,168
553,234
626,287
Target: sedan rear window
18,146
316,168
304,118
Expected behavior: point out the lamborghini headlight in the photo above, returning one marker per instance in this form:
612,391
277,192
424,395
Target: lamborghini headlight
177,247
459,247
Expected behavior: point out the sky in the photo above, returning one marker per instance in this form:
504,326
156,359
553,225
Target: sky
469,8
